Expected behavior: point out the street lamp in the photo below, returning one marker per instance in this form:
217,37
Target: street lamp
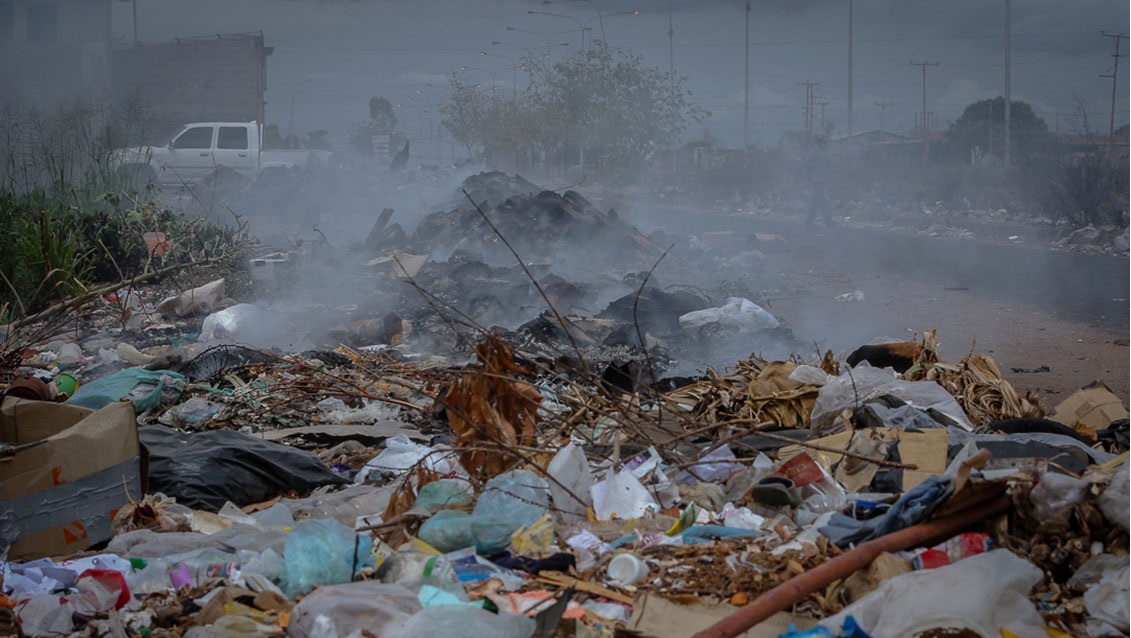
601,18
580,27
535,33
514,71
488,71
294,90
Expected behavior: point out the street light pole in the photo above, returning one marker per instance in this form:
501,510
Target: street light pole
580,27
536,33
514,71
294,89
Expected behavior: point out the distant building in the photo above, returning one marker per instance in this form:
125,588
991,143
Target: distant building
214,78
54,50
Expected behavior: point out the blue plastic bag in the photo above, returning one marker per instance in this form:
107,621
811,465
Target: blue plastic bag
120,385
322,551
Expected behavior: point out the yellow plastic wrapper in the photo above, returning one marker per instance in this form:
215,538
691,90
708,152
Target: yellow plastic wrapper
535,539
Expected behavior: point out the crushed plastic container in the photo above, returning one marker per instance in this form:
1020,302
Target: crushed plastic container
627,569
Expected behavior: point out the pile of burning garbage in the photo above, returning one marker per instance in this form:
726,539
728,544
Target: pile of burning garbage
453,439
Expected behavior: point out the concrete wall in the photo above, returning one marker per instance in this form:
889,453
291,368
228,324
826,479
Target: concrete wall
54,50
216,78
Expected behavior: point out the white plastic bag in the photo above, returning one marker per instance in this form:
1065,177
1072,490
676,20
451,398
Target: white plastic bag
241,322
857,385
572,480
743,314
401,455
460,621
622,495
809,375
1113,502
339,610
1055,493
982,593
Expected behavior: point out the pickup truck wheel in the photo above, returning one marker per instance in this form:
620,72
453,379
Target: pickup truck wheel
137,177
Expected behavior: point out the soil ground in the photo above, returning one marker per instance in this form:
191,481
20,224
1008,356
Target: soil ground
1028,307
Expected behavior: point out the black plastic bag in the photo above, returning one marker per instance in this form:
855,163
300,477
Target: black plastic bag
205,469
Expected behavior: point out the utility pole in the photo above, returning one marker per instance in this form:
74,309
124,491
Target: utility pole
822,104
923,122
808,110
746,94
850,71
924,127
1114,81
671,65
883,107
1008,98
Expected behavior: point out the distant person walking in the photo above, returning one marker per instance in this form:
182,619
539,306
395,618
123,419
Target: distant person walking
817,170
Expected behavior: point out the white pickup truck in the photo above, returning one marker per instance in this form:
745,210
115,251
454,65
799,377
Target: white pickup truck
202,149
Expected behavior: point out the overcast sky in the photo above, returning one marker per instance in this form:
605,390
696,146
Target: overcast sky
355,49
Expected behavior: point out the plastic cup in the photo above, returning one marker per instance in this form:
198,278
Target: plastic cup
627,569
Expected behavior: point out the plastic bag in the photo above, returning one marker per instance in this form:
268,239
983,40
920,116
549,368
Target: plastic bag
343,610
240,322
1113,502
716,465
322,552
534,540
1106,578
142,387
509,501
570,468
201,299
983,593
519,497
852,388
461,621
206,469
443,494
622,495
402,454
809,375
1055,493
743,314
194,412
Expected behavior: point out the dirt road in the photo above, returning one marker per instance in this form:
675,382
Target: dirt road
1028,307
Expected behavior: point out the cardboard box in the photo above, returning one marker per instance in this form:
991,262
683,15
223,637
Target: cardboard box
1093,407
64,474
925,449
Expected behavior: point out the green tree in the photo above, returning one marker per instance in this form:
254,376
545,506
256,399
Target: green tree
614,108
381,116
272,138
603,106
382,121
467,116
979,134
318,139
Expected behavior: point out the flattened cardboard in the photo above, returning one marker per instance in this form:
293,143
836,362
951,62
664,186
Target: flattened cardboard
925,449
658,617
1094,406
59,498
